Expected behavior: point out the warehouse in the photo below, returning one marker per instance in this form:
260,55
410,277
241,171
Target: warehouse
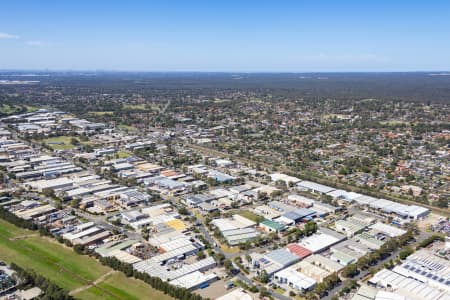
241,235
153,268
194,280
348,252
387,229
35,212
318,267
298,250
294,279
407,287
267,212
57,183
426,267
220,177
273,261
235,222
285,178
368,240
314,187
300,200
321,240
296,216
107,249
349,227
280,206
91,239
272,226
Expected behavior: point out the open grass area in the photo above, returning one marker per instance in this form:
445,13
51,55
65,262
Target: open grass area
101,113
63,142
116,289
9,109
31,108
251,216
123,154
126,127
56,262
135,106
229,250
69,270
394,123
59,143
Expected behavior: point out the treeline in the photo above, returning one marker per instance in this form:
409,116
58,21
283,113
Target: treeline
19,222
51,291
155,282
22,223
430,240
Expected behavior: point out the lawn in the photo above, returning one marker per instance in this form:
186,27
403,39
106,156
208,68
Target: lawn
132,290
66,268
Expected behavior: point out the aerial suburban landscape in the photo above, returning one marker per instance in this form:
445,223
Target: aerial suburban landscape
228,183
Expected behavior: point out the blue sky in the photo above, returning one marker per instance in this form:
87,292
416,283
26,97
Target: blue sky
245,35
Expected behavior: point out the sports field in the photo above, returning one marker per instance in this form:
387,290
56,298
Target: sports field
69,270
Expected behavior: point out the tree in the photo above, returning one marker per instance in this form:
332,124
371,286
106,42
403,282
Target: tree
310,228
350,271
264,277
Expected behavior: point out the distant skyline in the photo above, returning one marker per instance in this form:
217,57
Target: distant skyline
226,36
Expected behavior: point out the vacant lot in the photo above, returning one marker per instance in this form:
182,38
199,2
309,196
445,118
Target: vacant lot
66,268
63,142
59,143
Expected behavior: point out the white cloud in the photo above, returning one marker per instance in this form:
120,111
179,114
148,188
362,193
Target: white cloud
4,35
37,43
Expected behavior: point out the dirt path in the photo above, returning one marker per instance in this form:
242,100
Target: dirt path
97,281
21,237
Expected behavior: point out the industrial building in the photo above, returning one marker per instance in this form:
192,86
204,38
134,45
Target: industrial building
322,240
294,279
318,267
406,287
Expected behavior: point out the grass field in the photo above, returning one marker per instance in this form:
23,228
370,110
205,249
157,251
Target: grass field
251,216
126,127
59,143
101,113
230,250
68,269
133,290
134,106
394,123
58,263
123,154
62,142
9,109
